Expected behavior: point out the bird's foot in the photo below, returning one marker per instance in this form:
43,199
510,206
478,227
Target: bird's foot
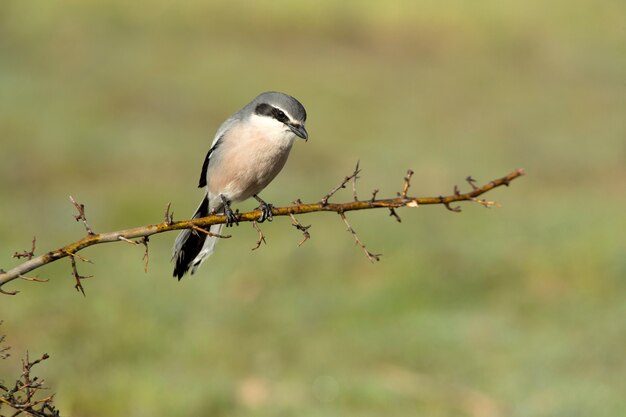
266,210
231,217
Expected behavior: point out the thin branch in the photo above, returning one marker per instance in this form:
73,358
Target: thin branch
75,255
407,183
392,212
22,396
442,199
300,227
472,182
77,276
354,178
27,254
81,215
371,256
202,223
374,195
145,241
33,279
168,217
206,232
261,235
324,201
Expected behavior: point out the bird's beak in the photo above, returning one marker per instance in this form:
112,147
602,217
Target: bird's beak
299,130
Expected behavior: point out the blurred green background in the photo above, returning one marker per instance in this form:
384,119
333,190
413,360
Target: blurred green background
512,311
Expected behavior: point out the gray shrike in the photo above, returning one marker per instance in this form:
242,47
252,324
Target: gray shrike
248,151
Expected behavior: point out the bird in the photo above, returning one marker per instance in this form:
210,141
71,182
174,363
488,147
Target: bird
249,149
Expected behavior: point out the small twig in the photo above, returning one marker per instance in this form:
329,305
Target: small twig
33,279
485,203
472,182
261,235
356,177
392,212
132,242
77,276
168,217
145,241
3,349
211,234
75,255
446,204
81,215
371,256
27,254
324,201
407,183
300,227
5,292
374,195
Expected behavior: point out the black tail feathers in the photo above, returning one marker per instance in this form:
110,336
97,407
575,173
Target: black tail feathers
189,243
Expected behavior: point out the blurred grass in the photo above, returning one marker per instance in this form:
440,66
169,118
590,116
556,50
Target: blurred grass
514,311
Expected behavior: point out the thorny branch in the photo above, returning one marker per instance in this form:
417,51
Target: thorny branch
324,201
22,396
27,254
371,256
201,224
261,239
77,276
304,229
81,215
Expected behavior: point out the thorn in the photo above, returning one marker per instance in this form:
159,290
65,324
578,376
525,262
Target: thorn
485,203
392,212
33,279
81,215
407,183
472,182
168,217
122,238
199,229
79,257
443,201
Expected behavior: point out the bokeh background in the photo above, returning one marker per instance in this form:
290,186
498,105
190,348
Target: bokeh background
511,311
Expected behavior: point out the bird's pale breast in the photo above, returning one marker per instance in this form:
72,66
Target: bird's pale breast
247,162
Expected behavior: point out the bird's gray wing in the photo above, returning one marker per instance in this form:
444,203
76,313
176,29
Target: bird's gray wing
216,142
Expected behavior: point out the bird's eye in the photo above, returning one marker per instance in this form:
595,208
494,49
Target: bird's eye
281,116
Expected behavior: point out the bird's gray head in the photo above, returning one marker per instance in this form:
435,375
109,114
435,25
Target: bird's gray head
283,109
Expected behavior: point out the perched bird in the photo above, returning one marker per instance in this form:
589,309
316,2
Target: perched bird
248,151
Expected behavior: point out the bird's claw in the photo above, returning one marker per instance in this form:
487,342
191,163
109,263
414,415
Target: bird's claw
266,212
231,217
